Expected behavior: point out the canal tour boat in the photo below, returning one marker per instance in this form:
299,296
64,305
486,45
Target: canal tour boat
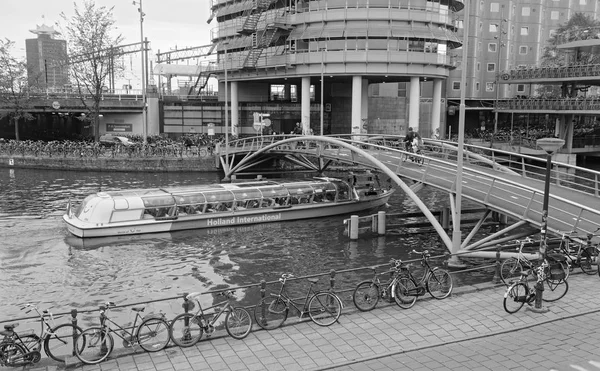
139,211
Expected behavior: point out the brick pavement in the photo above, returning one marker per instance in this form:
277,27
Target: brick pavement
469,330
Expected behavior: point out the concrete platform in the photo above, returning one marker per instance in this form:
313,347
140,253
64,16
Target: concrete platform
468,331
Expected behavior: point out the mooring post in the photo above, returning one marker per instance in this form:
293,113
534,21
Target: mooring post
381,223
496,278
186,308
331,279
74,322
353,232
263,303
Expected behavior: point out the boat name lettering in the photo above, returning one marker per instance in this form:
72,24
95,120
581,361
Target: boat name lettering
243,220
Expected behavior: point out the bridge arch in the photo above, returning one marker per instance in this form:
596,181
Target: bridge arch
353,149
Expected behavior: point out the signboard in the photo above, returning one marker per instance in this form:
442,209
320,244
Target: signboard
121,128
211,129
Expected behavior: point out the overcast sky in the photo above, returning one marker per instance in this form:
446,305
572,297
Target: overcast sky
167,23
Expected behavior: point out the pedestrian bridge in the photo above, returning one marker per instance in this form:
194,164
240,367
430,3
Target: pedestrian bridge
509,183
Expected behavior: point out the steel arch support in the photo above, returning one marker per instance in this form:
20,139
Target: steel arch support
354,150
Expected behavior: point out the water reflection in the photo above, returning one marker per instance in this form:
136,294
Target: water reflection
41,263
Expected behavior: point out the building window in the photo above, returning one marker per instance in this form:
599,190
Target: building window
522,49
489,86
491,67
455,85
494,7
493,27
520,88
477,86
277,92
582,2
524,31
525,11
478,66
554,15
492,47
402,89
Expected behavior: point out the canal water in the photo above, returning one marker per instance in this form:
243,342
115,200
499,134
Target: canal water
41,263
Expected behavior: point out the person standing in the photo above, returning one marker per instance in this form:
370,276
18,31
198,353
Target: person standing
297,129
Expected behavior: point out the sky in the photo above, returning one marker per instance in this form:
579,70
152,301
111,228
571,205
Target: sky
168,24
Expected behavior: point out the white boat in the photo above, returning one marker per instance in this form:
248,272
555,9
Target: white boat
139,211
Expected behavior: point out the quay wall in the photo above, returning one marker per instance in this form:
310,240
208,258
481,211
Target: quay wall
159,164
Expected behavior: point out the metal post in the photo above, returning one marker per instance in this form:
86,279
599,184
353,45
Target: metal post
74,323
497,278
499,50
226,108
263,304
142,52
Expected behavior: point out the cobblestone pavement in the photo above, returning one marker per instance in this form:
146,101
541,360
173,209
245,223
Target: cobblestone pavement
469,330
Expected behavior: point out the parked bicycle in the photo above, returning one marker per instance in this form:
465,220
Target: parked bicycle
511,268
436,281
187,328
95,344
22,349
520,292
323,307
576,253
367,293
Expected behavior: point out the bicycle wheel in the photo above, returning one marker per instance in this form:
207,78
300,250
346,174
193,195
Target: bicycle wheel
405,292
94,345
202,152
59,344
238,323
13,354
510,269
153,334
270,315
439,284
366,295
324,308
185,330
586,261
515,297
554,289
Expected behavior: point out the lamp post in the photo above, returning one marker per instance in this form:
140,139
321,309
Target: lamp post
498,70
550,146
143,47
225,43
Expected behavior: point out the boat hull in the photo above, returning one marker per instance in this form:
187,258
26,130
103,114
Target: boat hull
225,219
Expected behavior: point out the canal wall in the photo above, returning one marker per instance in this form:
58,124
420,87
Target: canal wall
158,164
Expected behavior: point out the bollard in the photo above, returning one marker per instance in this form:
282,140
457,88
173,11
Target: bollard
381,223
331,279
497,278
353,231
263,303
74,322
103,347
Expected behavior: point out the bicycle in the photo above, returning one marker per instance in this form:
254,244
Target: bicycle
22,349
436,281
95,344
367,293
323,307
520,292
187,328
584,255
511,268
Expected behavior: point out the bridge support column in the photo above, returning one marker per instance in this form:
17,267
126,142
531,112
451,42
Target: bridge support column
153,114
436,107
235,121
305,105
414,102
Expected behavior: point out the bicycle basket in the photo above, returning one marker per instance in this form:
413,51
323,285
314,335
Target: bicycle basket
557,273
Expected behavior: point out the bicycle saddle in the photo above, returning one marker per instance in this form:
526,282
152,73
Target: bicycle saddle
312,280
9,328
140,308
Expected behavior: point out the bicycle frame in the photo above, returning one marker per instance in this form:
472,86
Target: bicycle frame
201,312
285,297
129,337
419,290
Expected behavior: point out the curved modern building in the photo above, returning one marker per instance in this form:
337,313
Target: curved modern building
314,60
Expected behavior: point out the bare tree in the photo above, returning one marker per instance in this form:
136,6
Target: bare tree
14,89
91,50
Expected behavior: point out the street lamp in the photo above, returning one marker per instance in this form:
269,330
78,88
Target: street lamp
142,49
225,43
499,51
550,146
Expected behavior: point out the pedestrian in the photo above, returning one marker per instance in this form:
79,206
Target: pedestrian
436,134
297,129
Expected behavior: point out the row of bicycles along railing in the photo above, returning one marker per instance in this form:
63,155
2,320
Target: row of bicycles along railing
76,149
552,272
574,70
153,332
579,103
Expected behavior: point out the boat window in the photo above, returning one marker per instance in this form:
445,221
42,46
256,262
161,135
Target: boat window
219,196
157,201
190,204
300,193
343,190
83,205
324,192
247,204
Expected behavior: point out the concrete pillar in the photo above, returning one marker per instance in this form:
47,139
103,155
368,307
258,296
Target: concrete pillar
414,102
364,106
153,115
356,105
436,106
568,135
305,104
287,92
235,120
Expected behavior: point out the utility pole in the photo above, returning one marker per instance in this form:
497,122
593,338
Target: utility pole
143,50
498,70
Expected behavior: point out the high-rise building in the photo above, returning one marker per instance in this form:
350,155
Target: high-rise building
46,59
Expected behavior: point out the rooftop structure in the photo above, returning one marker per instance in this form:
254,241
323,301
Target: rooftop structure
46,67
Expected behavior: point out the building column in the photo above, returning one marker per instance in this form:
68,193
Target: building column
436,106
364,106
235,121
414,102
356,105
305,105
152,115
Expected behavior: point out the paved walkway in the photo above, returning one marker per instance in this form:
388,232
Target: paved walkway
470,330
